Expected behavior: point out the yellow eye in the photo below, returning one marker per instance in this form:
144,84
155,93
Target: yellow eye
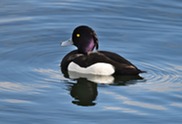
77,35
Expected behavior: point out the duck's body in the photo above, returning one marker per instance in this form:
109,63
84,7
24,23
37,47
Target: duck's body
103,63
85,60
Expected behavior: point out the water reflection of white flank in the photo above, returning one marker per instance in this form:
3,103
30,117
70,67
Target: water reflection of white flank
93,78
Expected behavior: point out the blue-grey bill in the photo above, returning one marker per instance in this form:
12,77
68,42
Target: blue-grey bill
67,42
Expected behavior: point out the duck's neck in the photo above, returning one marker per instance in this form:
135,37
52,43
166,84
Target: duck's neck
90,46
87,48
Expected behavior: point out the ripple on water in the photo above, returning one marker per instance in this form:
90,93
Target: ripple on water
163,77
158,96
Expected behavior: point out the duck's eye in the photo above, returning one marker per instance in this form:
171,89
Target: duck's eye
77,35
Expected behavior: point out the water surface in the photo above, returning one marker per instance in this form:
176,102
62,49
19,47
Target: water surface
34,90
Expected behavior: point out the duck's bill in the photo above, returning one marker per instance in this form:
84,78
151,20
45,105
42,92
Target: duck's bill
67,42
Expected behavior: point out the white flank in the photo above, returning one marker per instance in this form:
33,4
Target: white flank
95,69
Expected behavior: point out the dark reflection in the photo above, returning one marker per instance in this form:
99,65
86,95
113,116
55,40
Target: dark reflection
126,80
84,91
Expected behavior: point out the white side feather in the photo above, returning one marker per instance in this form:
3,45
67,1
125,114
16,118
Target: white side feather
95,69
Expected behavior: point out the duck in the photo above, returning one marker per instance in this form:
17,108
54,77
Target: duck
87,59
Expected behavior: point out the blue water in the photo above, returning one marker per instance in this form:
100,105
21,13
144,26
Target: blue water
34,90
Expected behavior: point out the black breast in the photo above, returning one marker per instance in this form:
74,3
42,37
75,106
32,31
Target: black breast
69,58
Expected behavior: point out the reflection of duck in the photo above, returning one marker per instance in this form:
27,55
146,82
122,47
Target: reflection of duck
84,92
85,61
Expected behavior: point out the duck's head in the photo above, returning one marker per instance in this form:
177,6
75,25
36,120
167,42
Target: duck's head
84,38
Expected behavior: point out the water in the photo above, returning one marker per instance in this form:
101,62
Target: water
34,90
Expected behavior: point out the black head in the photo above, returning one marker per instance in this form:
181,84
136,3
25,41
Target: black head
85,39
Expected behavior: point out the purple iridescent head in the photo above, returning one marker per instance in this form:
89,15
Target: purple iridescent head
84,38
